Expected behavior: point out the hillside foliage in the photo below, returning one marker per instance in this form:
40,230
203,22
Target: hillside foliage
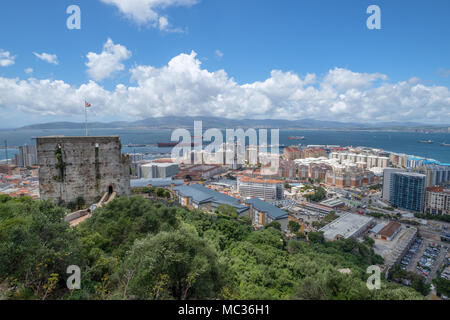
138,249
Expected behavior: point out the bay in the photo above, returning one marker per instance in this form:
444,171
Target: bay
401,142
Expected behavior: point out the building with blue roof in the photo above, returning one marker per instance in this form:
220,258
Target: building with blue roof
196,196
262,213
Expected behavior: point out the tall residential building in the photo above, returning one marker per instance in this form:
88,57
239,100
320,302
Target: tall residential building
387,173
437,201
363,160
344,178
407,190
437,174
292,153
265,189
26,157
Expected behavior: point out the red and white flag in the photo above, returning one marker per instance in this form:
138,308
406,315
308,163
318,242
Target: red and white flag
87,104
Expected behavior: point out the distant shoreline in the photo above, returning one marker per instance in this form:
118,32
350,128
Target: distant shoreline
406,130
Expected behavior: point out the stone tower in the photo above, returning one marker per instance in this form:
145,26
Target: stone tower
87,167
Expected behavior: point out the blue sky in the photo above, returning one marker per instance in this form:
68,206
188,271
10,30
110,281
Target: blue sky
328,63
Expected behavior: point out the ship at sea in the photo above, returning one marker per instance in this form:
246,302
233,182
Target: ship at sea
426,141
445,144
297,138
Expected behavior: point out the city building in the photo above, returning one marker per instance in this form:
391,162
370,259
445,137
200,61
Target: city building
263,213
333,203
26,157
347,226
397,247
407,190
314,153
437,201
319,208
196,196
292,153
438,174
366,161
387,174
389,231
156,183
287,169
156,170
345,178
398,160
81,167
199,172
265,189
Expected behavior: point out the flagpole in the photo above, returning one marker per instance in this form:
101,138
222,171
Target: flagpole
85,117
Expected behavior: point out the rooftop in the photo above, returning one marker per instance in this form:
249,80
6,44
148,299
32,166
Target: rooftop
389,229
200,194
346,226
272,211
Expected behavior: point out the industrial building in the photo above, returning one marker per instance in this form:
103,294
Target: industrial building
334,204
347,226
388,231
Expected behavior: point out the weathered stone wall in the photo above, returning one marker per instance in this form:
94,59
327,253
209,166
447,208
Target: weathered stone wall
72,167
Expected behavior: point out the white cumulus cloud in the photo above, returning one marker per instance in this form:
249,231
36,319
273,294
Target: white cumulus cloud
6,59
148,11
219,54
50,58
184,87
103,65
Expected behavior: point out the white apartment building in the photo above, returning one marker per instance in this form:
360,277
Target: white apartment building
264,189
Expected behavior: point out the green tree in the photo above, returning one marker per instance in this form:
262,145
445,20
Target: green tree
293,226
316,237
176,264
227,210
273,224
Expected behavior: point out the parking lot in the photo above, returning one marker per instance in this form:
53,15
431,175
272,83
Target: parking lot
424,258
411,258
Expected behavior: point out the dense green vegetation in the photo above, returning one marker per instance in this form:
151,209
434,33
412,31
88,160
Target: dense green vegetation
326,220
319,194
416,281
442,217
138,249
377,187
442,286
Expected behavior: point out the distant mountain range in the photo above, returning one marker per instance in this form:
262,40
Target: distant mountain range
221,123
